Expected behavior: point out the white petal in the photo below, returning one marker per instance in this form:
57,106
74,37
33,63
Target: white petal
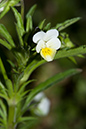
51,34
40,45
38,36
48,53
39,96
54,43
43,107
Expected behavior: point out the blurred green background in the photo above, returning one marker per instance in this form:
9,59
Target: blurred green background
68,98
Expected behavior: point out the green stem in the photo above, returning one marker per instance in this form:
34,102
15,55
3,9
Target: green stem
22,9
11,117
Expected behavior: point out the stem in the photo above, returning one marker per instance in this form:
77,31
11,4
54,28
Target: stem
22,9
11,117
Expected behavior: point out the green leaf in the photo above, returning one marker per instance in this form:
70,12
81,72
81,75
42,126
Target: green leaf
19,35
4,96
67,23
72,59
71,52
22,119
29,69
3,89
3,70
29,25
9,87
31,11
19,21
24,85
3,3
5,44
26,124
47,27
3,109
65,40
41,25
48,83
3,123
6,35
7,5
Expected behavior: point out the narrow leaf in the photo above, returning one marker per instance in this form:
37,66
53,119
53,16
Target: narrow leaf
19,21
2,88
22,119
3,70
9,87
29,25
2,3
7,5
24,85
6,35
31,11
71,52
5,44
50,82
67,23
72,59
41,25
47,27
19,35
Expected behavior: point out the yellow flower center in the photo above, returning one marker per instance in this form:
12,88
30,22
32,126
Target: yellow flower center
46,51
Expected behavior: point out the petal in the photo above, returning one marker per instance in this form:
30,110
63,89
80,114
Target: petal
38,36
48,53
51,34
54,43
40,45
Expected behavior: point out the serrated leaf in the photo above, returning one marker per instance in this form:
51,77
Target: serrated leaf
31,11
19,21
6,35
5,44
67,23
48,83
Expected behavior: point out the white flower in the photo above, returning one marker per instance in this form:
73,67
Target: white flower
2,8
43,106
47,43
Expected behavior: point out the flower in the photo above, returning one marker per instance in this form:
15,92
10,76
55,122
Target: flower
47,43
2,8
43,107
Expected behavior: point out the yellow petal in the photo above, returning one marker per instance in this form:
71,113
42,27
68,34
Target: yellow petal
48,53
